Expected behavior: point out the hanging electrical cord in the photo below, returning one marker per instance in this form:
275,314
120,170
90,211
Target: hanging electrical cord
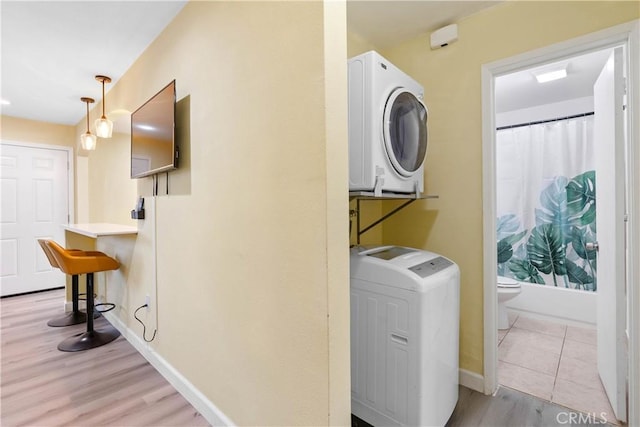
144,327
154,183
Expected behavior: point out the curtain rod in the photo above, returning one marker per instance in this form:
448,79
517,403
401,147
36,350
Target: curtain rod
546,121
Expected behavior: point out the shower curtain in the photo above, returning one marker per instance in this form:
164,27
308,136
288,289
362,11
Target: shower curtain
546,203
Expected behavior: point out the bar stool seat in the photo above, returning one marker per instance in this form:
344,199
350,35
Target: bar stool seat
76,316
74,263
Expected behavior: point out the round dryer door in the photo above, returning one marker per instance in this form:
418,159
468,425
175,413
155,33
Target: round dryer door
405,131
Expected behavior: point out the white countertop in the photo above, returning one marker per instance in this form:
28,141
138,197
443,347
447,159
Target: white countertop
98,229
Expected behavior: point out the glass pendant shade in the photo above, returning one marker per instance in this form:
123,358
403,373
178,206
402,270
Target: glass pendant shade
88,141
104,127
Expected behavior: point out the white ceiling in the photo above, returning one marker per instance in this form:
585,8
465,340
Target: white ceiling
51,51
521,90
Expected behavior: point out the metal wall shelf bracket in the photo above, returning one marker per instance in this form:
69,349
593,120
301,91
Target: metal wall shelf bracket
370,195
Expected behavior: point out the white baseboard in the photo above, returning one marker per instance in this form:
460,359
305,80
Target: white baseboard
204,406
471,380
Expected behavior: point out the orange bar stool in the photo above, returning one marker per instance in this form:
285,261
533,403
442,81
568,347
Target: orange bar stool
76,316
87,263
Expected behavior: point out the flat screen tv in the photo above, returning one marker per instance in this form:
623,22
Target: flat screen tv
153,141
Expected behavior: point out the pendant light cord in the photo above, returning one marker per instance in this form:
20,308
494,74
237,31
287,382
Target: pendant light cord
103,116
87,116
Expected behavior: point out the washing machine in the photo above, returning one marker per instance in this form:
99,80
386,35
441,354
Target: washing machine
387,127
404,336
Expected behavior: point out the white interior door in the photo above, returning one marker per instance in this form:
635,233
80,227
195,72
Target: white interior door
35,203
610,176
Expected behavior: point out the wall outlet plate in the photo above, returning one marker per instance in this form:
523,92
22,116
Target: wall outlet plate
147,301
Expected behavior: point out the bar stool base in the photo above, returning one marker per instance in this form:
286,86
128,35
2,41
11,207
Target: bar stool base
88,340
72,318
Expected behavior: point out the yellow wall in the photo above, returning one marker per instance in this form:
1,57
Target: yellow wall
356,44
451,77
252,273
23,130
336,174
112,193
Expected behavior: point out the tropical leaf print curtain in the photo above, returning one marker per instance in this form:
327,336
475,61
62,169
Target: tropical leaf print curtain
546,187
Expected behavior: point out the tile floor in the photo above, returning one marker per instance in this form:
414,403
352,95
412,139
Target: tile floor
554,362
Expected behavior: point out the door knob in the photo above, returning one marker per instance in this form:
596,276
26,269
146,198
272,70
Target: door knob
592,246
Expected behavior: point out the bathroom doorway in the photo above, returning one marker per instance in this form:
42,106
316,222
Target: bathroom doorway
546,219
545,152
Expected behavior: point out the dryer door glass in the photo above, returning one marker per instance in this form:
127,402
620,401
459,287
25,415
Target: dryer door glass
405,131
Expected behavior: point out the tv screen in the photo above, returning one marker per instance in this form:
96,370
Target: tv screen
153,147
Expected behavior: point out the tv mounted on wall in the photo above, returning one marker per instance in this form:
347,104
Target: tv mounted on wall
153,141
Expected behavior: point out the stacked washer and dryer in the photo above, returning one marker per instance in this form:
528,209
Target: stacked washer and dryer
404,301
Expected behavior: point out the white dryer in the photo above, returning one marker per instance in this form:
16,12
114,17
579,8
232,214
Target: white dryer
387,127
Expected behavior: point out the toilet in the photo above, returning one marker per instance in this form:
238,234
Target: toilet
507,289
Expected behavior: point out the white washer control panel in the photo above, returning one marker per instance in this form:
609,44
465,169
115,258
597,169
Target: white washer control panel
430,267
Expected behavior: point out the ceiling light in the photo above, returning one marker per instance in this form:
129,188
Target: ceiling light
104,126
551,75
88,139
4,102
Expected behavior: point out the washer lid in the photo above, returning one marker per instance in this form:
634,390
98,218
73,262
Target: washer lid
391,252
405,131
506,282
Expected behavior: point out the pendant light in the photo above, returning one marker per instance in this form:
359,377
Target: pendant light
88,139
104,126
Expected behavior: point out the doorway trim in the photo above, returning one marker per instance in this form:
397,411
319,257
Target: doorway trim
627,34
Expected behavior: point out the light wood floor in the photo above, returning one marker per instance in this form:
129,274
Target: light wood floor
508,408
112,385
